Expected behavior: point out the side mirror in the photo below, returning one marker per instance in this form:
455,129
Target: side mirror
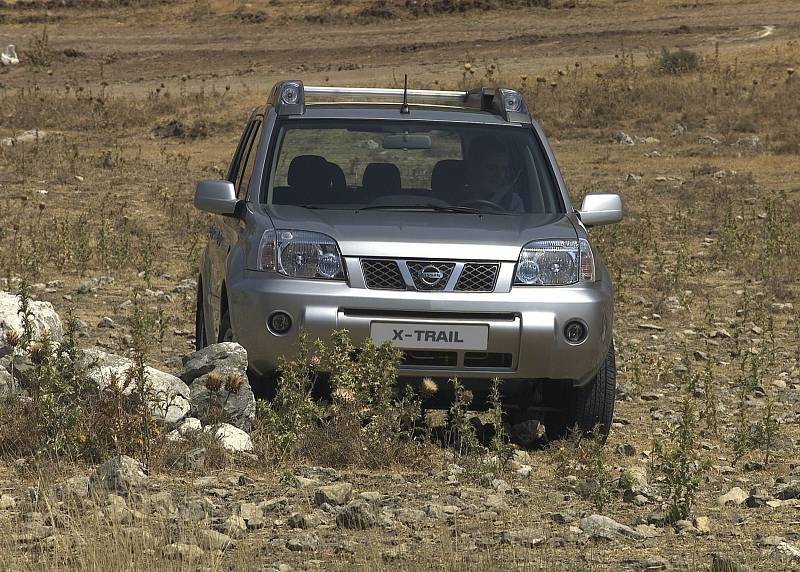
218,197
600,208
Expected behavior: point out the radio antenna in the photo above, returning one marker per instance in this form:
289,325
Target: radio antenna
404,109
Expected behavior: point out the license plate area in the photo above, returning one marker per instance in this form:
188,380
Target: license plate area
405,335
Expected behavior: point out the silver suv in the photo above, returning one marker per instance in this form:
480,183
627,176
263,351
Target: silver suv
435,220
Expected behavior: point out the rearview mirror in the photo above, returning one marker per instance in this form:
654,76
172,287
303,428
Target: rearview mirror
600,208
218,197
406,141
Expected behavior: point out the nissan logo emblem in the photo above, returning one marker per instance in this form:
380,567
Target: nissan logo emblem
430,275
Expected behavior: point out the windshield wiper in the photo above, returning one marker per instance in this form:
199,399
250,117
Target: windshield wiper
426,207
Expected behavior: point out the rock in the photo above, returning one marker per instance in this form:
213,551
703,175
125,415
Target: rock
528,433
194,459
722,564
786,552
500,486
598,526
336,494
231,438
8,385
32,534
223,397
179,551
496,503
758,498
304,483
786,491
7,502
410,516
752,141
356,515
319,474
137,536
73,487
227,356
304,521
167,395
702,524
622,138
685,526
370,496
279,505
633,178
234,526
252,515
648,530
161,504
395,553
43,320
528,537
117,511
106,322
213,540
735,496
196,510
220,390
305,542
121,474
653,564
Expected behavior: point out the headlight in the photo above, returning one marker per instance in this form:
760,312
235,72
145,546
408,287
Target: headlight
300,254
555,263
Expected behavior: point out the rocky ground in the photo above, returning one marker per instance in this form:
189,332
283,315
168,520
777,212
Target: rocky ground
116,110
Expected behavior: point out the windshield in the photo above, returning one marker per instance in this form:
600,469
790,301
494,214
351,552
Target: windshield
345,164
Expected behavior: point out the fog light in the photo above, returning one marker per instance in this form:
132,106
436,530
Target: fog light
575,332
279,322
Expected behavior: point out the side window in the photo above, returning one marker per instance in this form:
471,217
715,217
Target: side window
249,161
233,168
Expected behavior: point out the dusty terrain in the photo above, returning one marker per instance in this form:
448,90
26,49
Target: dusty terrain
138,100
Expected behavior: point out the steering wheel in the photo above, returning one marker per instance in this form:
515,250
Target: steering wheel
484,202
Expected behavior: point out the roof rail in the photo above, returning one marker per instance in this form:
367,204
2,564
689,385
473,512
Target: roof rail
289,98
389,94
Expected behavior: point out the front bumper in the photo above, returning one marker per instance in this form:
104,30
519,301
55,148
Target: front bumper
525,322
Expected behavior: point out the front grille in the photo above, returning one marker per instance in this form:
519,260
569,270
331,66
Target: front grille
429,358
477,278
430,275
487,359
382,275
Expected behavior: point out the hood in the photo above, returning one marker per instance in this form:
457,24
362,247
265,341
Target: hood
434,235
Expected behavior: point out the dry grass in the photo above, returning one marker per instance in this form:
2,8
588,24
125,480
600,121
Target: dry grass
708,248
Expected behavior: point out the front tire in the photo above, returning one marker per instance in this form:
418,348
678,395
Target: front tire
200,338
225,328
594,404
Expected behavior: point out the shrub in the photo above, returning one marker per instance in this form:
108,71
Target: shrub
62,412
678,459
367,421
677,61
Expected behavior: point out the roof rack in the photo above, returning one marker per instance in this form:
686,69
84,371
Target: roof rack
289,98
389,94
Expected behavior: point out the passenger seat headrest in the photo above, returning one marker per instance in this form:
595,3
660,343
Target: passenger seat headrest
383,178
309,173
449,178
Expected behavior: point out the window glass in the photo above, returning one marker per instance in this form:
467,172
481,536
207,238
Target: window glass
345,164
233,168
249,162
